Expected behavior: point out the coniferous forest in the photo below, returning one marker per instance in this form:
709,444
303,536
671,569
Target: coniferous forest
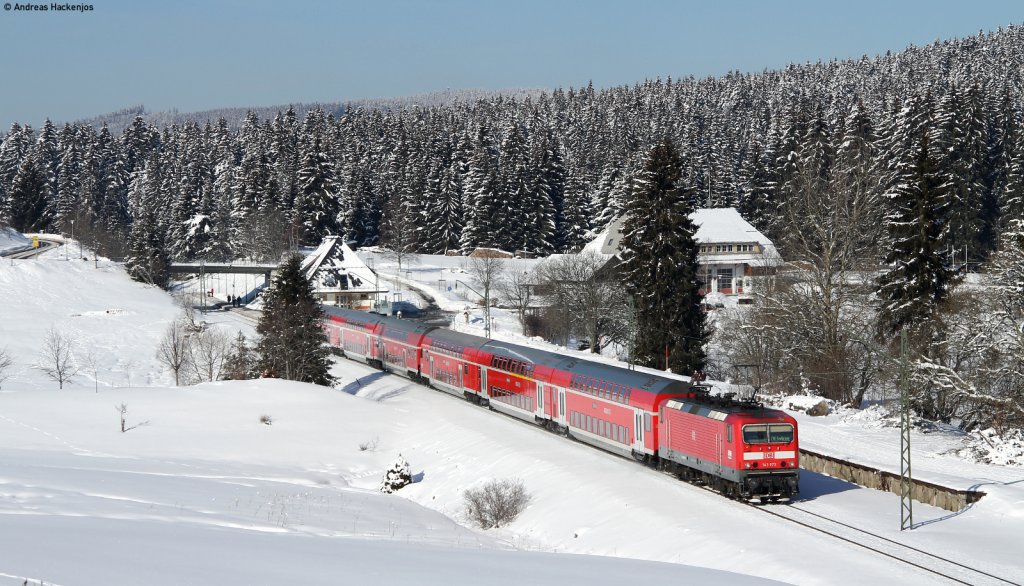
882,180
537,173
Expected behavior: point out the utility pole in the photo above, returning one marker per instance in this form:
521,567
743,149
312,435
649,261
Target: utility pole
906,480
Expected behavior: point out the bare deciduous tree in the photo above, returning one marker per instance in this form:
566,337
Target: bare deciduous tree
209,351
812,323
516,288
175,349
91,363
58,360
486,270
590,300
398,237
976,375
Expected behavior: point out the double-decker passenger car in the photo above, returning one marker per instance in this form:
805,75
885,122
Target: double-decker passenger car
741,449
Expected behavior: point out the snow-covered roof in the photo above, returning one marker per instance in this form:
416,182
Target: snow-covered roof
608,243
725,225
333,266
714,226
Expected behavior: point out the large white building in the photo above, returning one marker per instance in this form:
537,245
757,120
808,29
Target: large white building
731,250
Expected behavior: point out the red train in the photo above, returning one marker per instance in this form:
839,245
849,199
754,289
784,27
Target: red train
740,448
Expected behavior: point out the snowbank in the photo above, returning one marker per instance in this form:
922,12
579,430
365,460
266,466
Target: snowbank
11,240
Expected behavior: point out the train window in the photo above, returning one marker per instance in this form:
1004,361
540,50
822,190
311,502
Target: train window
755,434
728,434
647,422
780,433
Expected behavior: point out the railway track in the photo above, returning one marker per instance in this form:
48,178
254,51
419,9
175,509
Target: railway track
44,245
951,570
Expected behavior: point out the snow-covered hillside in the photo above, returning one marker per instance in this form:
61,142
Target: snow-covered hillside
203,492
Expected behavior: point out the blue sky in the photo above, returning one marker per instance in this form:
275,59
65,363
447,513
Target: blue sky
193,55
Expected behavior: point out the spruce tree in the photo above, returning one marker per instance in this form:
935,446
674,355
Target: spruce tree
148,257
317,205
27,204
482,194
918,278
292,341
659,265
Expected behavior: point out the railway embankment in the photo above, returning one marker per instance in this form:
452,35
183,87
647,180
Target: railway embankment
950,499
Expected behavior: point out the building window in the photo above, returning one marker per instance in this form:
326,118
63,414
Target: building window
725,280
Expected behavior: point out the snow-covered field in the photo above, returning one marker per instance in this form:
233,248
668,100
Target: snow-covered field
202,492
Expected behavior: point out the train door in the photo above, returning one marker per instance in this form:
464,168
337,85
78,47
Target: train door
484,392
718,454
471,379
458,370
638,431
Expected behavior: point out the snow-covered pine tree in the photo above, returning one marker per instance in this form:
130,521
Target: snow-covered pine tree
65,203
546,227
397,476
919,277
148,254
13,150
317,206
292,344
28,201
576,214
516,180
442,210
959,146
483,199
659,265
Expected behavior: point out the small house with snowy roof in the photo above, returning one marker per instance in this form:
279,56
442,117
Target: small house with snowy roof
340,278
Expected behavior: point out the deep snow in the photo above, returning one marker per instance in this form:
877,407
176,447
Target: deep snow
205,493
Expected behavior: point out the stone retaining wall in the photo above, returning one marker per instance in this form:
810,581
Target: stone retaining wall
925,492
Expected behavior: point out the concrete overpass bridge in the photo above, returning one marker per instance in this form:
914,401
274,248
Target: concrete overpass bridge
232,268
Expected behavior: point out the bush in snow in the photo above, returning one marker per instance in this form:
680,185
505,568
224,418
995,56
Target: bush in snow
5,363
397,476
496,503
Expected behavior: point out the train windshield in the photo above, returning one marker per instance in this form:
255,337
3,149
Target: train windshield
774,433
